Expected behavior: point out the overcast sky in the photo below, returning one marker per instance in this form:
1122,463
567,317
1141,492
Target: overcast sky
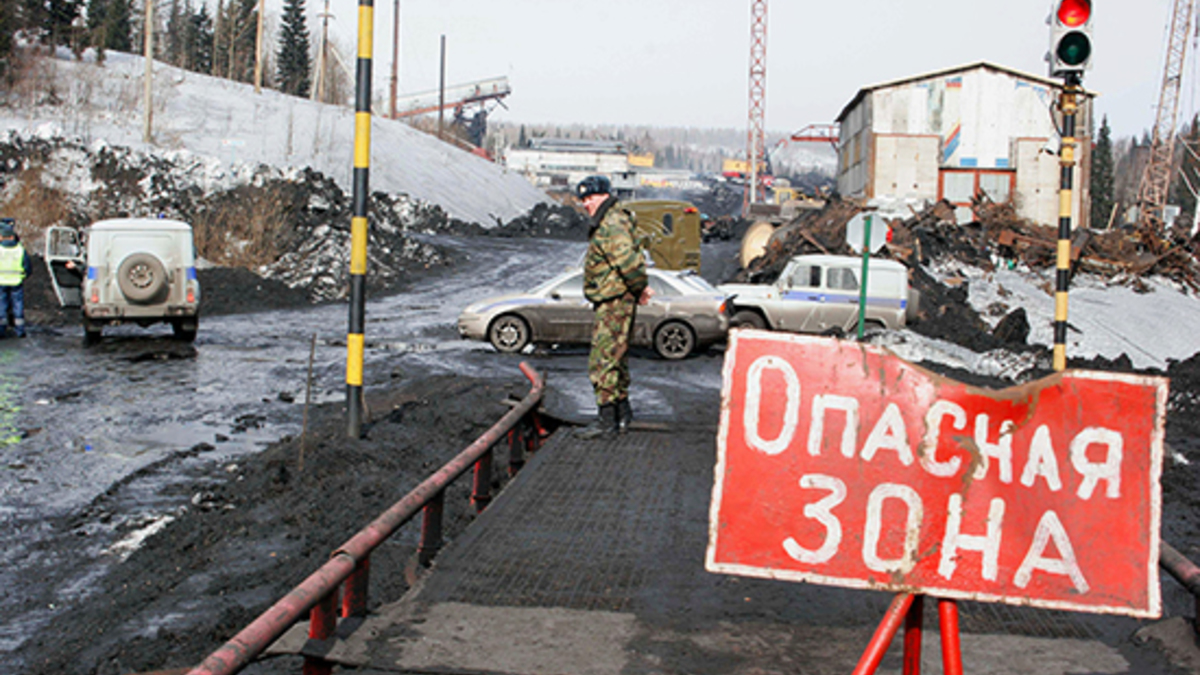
686,62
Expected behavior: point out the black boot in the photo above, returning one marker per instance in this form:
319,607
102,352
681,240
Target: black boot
624,415
603,426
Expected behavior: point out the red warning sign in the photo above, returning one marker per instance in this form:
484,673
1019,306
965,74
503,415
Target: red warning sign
839,463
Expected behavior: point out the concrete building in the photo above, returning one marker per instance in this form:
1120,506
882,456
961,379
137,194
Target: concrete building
562,163
956,132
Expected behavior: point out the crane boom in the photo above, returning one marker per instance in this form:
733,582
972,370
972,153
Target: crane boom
1156,179
756,138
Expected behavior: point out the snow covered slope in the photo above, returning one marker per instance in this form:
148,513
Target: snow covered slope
226,120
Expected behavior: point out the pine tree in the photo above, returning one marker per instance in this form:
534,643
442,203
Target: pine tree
1102,177
235,43
33,18
118,25
97,12
60,15
176,36
201,40
241,31
295,68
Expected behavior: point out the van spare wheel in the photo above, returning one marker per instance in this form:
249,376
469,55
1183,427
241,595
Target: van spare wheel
142,278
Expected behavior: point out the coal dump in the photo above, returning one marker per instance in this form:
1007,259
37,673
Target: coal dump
249,537
290,226
550,220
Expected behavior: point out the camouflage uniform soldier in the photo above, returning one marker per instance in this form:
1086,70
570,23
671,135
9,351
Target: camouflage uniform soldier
614,280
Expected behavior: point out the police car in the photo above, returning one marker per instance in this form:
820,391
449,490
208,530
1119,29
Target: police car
820,294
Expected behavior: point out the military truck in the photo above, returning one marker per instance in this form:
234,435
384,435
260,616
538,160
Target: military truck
670,231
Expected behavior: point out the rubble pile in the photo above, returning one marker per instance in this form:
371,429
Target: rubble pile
999,236
813,231
930,234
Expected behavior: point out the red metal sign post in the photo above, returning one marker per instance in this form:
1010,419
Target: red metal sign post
841,464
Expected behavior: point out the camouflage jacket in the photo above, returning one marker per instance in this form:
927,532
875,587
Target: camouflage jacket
614,264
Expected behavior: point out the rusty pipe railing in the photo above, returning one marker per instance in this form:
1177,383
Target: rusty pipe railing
349,563
1185,572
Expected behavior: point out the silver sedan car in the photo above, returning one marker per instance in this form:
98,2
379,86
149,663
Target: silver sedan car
685,313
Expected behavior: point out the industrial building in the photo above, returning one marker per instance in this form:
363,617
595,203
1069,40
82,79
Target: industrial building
957,132
563,162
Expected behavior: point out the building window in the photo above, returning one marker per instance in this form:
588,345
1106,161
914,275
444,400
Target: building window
668,224
960,186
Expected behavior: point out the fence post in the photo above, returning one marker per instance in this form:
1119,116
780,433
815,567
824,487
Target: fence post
481,489
516,449
533,440
431,529
322,624
354,600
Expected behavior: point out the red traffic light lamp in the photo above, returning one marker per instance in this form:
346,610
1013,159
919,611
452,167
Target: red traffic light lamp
1074,13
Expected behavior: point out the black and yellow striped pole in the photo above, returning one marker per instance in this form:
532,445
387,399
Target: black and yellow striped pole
358,223
1065,198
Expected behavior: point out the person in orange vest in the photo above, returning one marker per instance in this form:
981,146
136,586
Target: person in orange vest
14,268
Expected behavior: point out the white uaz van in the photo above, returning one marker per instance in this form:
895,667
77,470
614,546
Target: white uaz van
136,270
820,293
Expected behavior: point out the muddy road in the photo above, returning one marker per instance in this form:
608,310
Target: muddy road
107,446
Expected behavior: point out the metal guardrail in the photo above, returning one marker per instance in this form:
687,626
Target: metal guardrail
318,594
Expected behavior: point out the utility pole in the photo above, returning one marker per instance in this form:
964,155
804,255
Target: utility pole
756,141
442,90
258,50
395,59
148,53
319,83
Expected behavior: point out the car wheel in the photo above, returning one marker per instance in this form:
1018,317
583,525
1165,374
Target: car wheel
185,329
142,278
674,340
92,332
509,334
748,318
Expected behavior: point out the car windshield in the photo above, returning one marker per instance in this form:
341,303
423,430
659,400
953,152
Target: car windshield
548,284
697,283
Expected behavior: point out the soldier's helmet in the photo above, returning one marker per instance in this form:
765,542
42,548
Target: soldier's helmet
593,185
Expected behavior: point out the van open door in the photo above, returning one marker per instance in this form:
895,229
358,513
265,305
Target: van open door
66,264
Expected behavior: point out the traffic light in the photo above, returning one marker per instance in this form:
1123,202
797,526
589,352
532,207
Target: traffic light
1070,37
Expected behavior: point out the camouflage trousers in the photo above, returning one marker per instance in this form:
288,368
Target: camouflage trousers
608,363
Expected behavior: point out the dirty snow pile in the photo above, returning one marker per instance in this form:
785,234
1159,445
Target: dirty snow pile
225,130
319,258
1112,322
83,184
1103,318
